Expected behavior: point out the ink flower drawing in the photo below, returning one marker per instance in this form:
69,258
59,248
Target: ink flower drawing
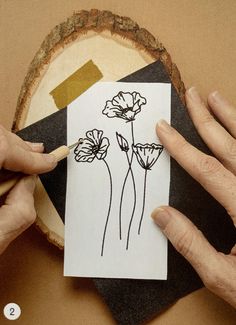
124,105
95,146
147,155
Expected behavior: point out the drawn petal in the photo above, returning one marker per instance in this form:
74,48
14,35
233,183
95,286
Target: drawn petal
136,108
137,98
104,144
111,110
84,157
86,146
139,155
130,115
102,152
154,153
147,154
138,102
101,155
94,135
124,100
151,161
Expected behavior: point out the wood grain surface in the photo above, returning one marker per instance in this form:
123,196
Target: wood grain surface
92,29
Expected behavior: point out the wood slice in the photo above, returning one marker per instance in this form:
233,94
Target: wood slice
117,45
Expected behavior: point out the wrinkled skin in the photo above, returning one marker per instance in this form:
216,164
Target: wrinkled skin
18,213
217,176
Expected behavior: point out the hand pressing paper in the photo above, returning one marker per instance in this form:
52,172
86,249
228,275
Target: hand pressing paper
114,180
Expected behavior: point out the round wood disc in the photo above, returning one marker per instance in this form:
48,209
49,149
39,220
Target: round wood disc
117,45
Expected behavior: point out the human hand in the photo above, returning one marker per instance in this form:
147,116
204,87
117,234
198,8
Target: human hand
217,176
18,213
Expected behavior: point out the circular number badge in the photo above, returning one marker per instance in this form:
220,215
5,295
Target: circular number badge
12,311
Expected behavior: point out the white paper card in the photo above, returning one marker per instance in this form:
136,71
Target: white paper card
114,181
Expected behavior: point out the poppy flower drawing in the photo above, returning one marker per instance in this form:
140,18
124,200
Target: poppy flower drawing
147,155
127,195
94,145
124,105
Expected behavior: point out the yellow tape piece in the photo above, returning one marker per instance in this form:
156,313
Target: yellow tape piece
76,84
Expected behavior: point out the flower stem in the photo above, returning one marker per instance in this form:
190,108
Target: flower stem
125,180
132,132
109,208
144,198
121,201
135,198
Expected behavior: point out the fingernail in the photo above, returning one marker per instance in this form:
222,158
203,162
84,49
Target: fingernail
161,216
50,158
30,182
35,144
163,125
217,97
194,95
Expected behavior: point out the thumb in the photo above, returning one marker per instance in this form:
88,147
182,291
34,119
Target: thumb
188,240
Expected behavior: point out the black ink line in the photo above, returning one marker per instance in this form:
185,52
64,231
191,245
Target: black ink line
133,180
109,208
93,146
144,199
132,133
134,206
121,202
124,146
123,188
122,110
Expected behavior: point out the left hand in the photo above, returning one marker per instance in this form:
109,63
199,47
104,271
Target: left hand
217,176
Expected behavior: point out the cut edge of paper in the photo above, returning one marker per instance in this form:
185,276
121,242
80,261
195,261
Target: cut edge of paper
158,270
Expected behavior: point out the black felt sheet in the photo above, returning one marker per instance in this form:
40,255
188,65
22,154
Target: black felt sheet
134,301
52,131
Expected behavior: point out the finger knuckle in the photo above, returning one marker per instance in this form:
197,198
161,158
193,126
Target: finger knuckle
206,121
184,243
183,146
208,165
27,213
213,281
28,163
230,149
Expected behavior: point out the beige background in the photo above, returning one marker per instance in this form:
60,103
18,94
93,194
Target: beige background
200,36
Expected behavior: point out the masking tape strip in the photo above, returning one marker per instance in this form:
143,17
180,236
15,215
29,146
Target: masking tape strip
76,84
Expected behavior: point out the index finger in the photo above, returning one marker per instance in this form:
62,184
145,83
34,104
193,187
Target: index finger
15,139
28,162
16,158
207,170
